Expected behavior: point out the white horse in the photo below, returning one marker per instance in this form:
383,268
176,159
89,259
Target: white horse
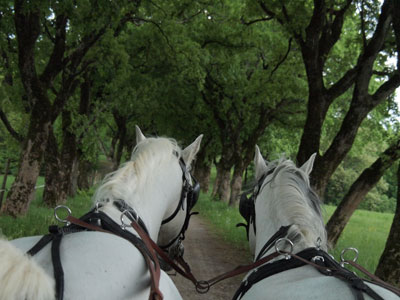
285,210
101,265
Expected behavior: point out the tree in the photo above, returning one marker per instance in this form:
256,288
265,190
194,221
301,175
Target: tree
323,28
64,38
389,264
358,190
241,92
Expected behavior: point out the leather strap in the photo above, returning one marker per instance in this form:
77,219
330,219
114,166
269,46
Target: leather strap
57,266
149,255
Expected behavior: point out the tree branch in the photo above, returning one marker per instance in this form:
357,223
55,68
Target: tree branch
283,58
254,21
9,127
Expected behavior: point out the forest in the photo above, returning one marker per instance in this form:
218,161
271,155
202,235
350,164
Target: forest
293,77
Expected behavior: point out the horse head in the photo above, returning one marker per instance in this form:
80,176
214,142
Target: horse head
282,197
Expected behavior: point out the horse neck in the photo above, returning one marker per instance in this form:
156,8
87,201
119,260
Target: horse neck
152,201
282,206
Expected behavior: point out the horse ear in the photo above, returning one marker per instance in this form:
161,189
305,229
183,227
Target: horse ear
308,165
259,163
189,153
139,135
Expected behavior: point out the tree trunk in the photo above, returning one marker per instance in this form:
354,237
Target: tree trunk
4,184
224,191
202,173
364,183
216,181
236,186
22,191
73,187
59,165
389,264
85,176
51,191
221,189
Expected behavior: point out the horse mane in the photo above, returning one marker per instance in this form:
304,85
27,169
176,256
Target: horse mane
147,156
297,202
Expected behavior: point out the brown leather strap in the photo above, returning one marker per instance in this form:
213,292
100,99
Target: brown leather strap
152,262
242,269
83,224
202,286
154,267
374,279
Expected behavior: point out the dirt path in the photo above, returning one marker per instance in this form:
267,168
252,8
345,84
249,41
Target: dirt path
209,256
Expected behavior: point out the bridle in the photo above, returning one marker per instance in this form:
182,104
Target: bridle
247,204
190,192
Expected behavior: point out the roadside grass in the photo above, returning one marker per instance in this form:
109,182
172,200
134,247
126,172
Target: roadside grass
40,217
367,231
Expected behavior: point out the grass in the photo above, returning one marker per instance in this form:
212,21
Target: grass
40,217
367,231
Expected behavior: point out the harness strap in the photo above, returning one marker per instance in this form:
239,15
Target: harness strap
57,266
146,250
280,233
39,245
327,266
56,234
154,267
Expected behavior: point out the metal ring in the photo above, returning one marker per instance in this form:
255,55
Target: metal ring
130,216
202,286
319,243
58,218
318,258
283,240
96,207
348,249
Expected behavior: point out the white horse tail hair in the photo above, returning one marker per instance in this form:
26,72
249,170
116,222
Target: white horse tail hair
21,277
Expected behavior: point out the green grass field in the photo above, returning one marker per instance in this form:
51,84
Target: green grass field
367,231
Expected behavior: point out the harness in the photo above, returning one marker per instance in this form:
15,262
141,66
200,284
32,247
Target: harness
315,257
96,220
247,205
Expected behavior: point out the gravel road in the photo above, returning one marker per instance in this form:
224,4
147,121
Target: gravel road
208,256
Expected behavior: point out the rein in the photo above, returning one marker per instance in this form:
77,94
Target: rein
315,257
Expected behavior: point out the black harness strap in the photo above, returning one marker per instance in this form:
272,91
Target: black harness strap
328,265
40,244
56,258
280,233
56,233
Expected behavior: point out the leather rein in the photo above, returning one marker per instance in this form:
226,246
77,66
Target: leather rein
315,257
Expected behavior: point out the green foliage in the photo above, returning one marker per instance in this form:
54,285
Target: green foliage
153,71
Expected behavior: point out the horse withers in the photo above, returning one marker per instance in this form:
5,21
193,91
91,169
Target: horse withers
286,231
155,187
